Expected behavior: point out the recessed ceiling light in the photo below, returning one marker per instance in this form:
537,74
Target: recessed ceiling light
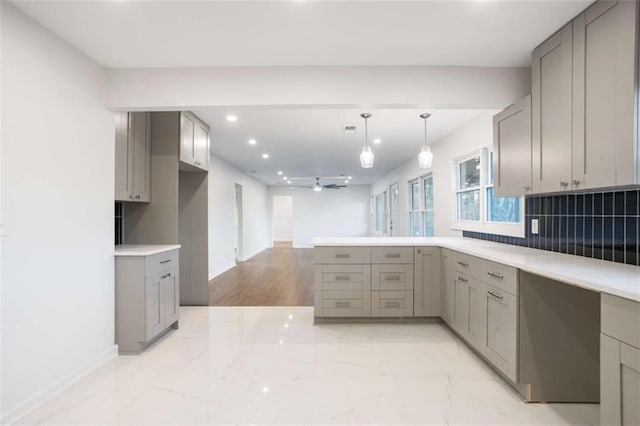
377,141
232,118
252,141
289,182
265,155
279,172
346,181
349,178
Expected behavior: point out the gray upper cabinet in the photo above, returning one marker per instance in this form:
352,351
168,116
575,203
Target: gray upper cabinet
194,143
512,150
604,86
133,157
551,102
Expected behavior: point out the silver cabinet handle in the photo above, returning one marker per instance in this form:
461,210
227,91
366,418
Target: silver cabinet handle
343,256
131,197
166,275
526,188
342,304
392,255
496,295
464,280
343,278
466,265
391,304
138,197
495,275
165,261
564,184
392,277
576,182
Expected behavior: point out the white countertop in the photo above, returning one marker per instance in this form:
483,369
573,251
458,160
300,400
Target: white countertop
143,249
598,275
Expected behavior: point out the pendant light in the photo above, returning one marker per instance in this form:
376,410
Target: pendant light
425,158
366,156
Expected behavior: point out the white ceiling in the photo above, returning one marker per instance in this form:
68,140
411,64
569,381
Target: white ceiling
311,142
130,33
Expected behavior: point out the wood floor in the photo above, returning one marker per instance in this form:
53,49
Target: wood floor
281,276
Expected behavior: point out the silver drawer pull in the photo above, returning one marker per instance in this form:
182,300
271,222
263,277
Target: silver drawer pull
342,304
392,255
392,278
343,256
165,261
343,278
496,295
392,304
464,280
461,263
495,275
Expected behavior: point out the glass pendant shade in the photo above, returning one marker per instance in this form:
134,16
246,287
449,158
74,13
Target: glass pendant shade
366,157
425,158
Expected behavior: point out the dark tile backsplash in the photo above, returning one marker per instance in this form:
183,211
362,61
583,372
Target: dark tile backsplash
119,216
601,225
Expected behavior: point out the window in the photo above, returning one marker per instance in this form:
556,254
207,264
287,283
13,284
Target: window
476,206
421,206
379,213
500,209
468,192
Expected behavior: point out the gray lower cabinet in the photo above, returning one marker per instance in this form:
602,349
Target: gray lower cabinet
133,157
147,299
427,301
447,287
501,334
620,362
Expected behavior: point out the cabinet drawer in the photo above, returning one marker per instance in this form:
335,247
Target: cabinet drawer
342,304
464,263
342,277
392,255
621,319
342,255
161,262
392,277
391,303
496,274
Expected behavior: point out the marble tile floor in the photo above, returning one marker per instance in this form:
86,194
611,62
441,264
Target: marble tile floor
271,365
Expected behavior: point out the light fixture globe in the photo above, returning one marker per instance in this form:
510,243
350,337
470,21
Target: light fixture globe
425,158
366,157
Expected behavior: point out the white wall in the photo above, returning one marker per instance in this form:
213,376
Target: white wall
57,214
282,218
330,213
472,136
427,87
256,216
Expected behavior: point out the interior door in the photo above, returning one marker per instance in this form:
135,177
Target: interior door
394,215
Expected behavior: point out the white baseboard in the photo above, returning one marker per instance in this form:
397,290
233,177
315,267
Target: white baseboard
221,271
29,404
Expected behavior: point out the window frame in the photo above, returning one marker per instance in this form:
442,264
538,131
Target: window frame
513,229
421,210
377,232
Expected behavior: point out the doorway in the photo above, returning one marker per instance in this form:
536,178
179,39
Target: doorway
237,222
282,227
394,214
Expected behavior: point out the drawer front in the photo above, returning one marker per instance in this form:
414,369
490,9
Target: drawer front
620,319
392,255
342,277
392,277
342,255
498,275
391,303
464,263
342,304
161,262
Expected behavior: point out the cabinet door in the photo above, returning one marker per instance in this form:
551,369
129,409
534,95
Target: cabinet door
123,154
426,284
551,100
512,150
171,296
461,305
619,383
140,140
153,306
447,289
604,64
477,327
201,142
501,335
187,138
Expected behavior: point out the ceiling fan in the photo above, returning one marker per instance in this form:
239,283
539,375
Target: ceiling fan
317,187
